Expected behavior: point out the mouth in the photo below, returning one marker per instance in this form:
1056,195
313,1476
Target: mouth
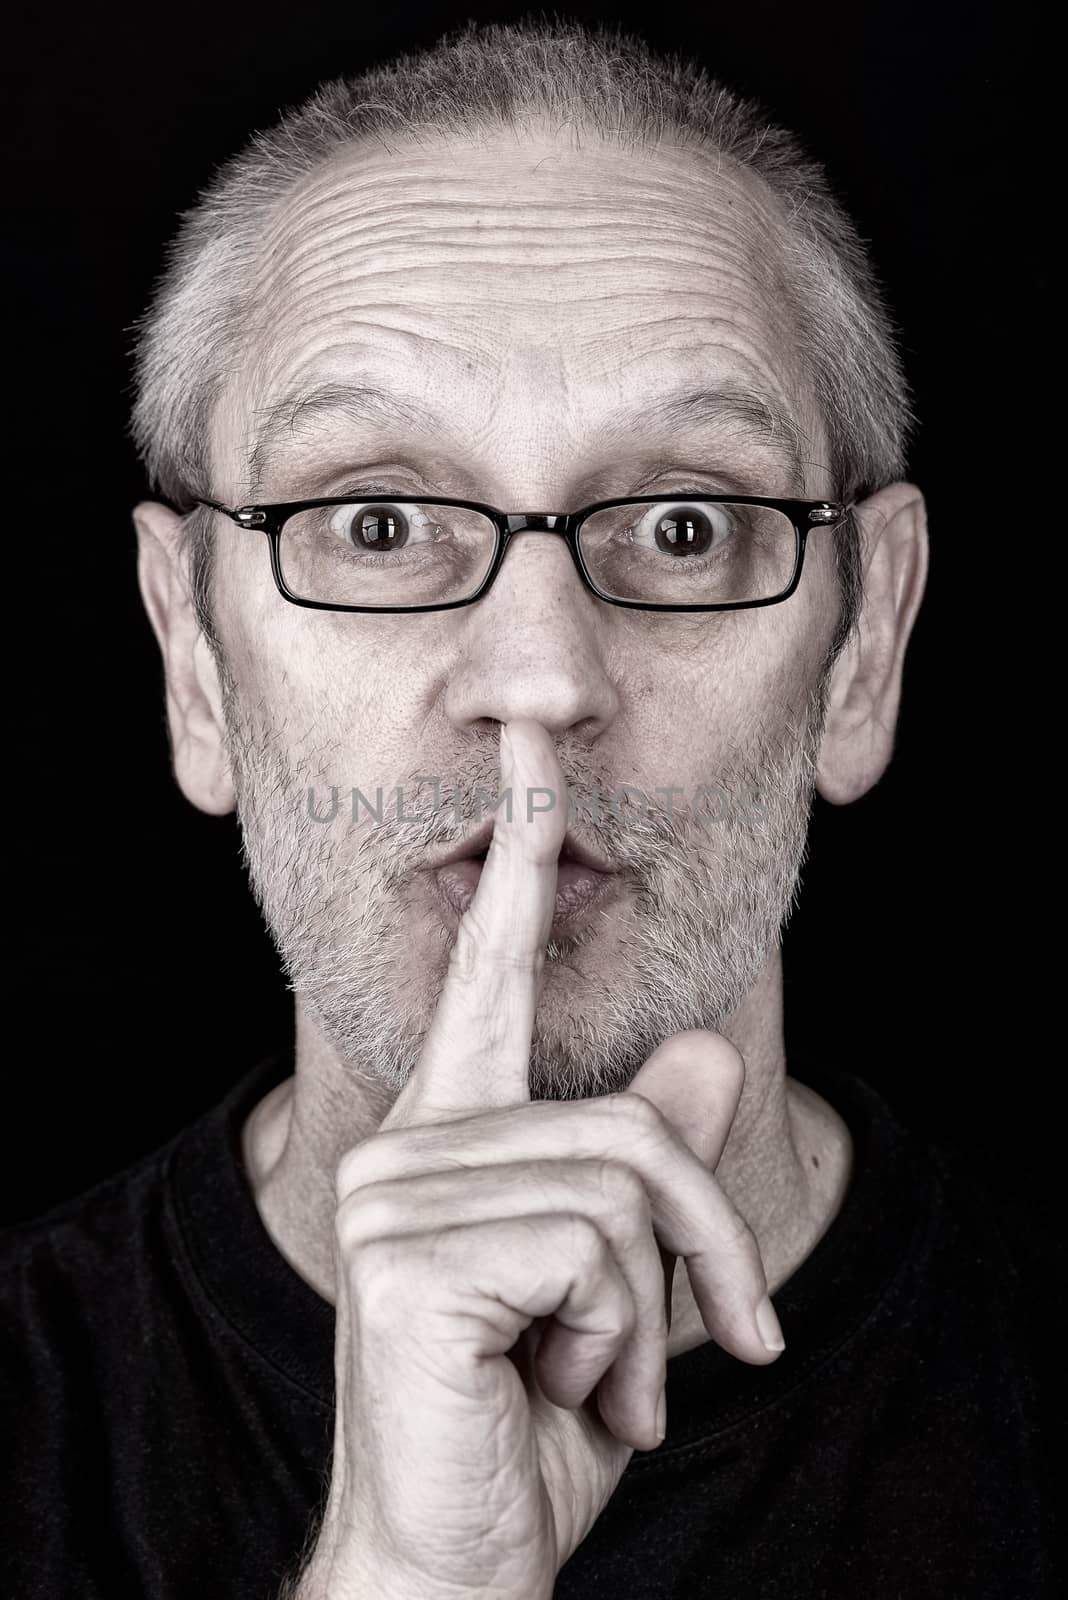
476,847
584,882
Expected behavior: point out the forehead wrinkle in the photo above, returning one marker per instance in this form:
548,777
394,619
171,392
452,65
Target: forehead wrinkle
750,403
732,407
308,265
535,225
678,323
353,215
329,267
449,179
463,203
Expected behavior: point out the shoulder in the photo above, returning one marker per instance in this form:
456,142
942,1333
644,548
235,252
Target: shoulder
1004,1255
82,1242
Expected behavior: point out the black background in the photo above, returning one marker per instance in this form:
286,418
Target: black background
921,957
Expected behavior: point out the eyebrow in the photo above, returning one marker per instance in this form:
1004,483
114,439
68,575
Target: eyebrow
749,414
362,405
760,418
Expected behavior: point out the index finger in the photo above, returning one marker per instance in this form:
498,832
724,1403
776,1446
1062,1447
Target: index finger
477,1048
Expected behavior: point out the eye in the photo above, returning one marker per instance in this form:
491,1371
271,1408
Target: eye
680,529
380,526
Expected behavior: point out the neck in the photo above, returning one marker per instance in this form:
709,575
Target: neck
786,1165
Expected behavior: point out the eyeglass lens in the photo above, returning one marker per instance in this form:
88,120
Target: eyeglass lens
397,553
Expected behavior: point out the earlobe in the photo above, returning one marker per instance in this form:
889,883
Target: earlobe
194,697
865,689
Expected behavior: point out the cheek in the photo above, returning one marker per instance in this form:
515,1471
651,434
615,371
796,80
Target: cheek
710,670
243,592
716,680
329,685
819,589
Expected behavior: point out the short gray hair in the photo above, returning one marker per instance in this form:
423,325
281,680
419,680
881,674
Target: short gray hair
498,77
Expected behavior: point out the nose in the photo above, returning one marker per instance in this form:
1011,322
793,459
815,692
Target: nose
537,645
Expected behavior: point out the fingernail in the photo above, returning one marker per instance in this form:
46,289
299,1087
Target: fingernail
661,1415
768,1325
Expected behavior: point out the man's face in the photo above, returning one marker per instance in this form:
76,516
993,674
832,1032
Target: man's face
523,296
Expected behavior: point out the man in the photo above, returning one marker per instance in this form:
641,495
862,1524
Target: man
408,1315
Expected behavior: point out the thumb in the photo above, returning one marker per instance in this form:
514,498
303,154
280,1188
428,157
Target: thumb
695,1080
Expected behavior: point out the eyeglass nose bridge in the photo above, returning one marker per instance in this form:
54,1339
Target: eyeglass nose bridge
564,524
536,522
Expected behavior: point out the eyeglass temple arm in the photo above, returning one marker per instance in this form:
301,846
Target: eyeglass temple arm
244,518
833,515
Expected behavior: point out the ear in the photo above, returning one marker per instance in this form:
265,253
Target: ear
865,685
194,694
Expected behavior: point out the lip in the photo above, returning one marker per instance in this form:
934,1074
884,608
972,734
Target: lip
580,891
572,850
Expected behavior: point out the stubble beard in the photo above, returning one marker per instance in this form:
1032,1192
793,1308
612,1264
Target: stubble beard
706,903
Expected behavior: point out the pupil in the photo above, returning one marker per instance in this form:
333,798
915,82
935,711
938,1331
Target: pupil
378,528
685,532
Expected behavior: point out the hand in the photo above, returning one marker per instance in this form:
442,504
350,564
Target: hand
504,1268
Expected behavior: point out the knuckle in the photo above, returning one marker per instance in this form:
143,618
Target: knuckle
740,1235
364,1257
467,948
587,1240
621,1190
475,952
368,1162
641,1114
369,1213
374,1279
628,1314
347,1176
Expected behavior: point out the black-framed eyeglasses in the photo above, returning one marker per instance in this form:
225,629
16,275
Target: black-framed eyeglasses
701,553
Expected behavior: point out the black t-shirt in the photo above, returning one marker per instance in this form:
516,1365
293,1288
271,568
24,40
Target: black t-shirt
169,1411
